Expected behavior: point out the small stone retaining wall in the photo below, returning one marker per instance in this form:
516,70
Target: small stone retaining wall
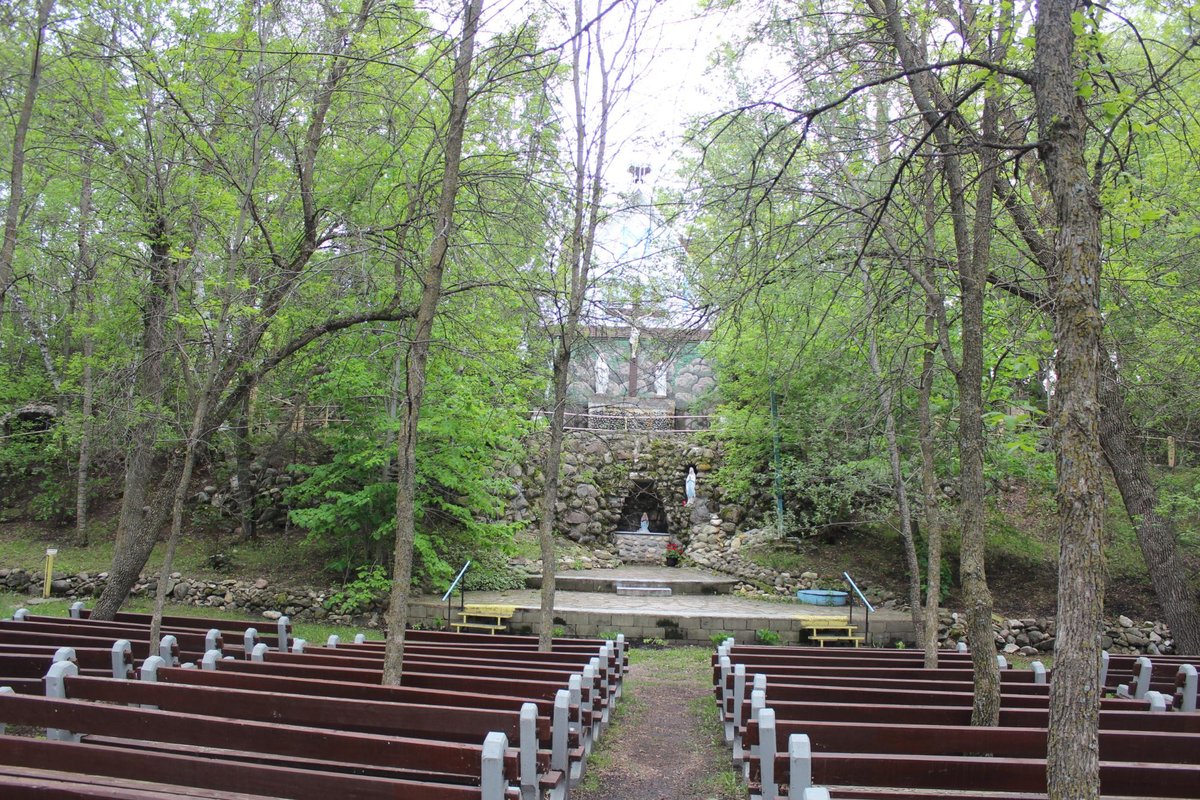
641,547
1028,637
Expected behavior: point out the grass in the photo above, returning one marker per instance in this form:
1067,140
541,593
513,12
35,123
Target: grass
628,712
726,784
281,557
678,666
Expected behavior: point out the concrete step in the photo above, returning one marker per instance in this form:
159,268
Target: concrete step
680,581
642,589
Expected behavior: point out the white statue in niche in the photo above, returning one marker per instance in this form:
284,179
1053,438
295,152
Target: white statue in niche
601,375
689,486
634,336
660,378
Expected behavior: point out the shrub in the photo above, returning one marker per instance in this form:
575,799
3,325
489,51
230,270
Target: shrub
766,636
371,585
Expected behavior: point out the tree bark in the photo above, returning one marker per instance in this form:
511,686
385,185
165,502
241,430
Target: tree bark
88,269
1127,461
1155,533
16,183
180,497
242,496
972,274
130,558
16,195
929,502
149,389
578,255
930,488
893,448
551,468
968,372
418,355
1072,760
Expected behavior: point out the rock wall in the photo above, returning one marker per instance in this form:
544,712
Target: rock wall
254,598
1026,637
1033,636
600,470
642,547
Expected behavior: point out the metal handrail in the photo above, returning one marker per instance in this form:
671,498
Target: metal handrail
462,595
867,607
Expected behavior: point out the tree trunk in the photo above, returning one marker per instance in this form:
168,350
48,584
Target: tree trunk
130,558
16,195
579,259
930,489
89,389
929,502
551,470
180,497
968,373
16,184
1155,533
243,498
1131,472
1072,759
149,391
972,275
893,448
419,353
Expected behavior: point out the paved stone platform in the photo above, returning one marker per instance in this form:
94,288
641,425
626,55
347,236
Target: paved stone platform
693,618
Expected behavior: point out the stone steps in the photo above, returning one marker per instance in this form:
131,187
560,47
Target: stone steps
642,590
679,581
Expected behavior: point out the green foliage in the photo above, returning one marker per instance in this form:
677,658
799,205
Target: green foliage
347,503
718,638
368,589
766,636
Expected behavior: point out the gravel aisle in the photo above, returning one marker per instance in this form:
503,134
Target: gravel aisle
664,744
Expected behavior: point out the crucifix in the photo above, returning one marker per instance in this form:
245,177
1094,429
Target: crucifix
634,335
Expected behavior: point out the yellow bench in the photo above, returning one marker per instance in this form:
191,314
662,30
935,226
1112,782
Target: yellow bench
828,629
492,619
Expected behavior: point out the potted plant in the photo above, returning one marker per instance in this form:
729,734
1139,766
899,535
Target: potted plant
674,554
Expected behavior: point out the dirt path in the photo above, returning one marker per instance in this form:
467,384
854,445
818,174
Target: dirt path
665,741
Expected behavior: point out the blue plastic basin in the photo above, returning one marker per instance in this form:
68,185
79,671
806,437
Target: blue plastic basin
822,597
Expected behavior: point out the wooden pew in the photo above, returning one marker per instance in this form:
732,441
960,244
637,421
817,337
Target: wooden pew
1010,742
92,762
139,648
438,673
564,742
444,724
1121,719
28,663
232,630
27,783
584,694
799,768
531,666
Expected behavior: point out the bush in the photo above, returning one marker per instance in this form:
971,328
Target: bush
718,638
766,636
372,585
